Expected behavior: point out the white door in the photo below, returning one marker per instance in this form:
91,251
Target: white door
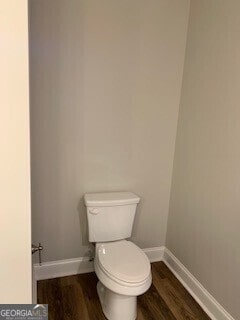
15,215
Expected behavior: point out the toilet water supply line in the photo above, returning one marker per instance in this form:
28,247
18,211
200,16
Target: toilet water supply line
38,248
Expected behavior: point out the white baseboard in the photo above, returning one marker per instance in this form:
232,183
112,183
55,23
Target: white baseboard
155,254
214,310
208,303
34,287
61,268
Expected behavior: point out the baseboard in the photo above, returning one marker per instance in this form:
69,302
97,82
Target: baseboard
155,254
34,287
62,268
208,303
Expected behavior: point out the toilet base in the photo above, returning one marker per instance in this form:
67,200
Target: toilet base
116,306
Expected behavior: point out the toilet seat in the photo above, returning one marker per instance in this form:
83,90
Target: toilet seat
110,264
123,262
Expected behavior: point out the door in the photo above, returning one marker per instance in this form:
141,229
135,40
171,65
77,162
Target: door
15,214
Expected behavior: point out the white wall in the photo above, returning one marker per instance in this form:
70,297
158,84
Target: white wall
204,219
105,88
15,235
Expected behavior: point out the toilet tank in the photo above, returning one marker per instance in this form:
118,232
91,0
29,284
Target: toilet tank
110,215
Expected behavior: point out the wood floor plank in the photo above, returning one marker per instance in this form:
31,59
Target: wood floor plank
53,296
75,298
154,307
88,283
140,315
172,298
74,306
164,272
41,291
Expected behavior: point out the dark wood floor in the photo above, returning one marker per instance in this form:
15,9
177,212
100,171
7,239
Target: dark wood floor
75,298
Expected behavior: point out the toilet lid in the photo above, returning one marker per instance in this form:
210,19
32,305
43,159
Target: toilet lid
124,261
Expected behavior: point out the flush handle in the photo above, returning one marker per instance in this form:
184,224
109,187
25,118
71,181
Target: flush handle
94,211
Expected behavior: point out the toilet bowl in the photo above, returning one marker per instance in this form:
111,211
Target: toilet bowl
124,272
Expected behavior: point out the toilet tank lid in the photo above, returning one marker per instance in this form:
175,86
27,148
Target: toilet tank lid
110,199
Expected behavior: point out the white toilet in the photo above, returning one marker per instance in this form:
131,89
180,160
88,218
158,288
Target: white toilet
123,269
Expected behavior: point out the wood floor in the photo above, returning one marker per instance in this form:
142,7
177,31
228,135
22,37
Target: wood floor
75,298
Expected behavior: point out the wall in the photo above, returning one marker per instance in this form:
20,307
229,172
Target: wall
204,220
15,216
105,88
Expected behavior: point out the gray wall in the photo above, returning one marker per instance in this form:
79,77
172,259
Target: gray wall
105,90
204,219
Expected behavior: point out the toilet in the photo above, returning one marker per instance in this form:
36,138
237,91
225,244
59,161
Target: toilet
122,268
